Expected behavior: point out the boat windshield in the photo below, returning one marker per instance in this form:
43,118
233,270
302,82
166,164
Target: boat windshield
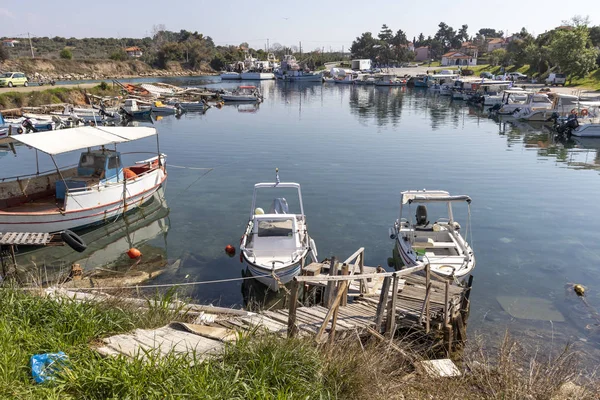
275,227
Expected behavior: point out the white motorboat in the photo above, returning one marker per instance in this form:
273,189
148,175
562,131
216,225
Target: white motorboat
256,76
97,191
562,104
438,243
243,93
511,103
389,80
230,76
291,71
588,119
276,245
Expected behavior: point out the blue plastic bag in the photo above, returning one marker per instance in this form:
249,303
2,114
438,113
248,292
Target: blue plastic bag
44,366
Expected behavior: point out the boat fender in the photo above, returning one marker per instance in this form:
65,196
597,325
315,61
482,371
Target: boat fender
241,257
19,130
49,127
92,123
574,111
584,112
73,240
391,233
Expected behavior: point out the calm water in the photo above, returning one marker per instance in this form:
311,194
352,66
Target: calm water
535,203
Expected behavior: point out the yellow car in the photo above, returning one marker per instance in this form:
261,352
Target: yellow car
11,79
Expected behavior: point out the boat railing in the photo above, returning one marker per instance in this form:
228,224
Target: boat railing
36,173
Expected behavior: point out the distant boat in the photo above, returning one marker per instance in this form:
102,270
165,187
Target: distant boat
243,93
275,245
230,76
97,191
588,120
132,110
389,80
191,106
256,76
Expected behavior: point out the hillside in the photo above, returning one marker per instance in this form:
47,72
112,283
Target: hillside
60,69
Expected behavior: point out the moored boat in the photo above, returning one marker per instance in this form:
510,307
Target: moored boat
97,191
243,93
256,76
276,244
230,76
389,80
439,244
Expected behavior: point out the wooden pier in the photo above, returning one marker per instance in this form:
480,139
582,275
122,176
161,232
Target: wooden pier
354,300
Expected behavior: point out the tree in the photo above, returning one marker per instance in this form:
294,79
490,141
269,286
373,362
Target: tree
386,34
66,54
446,36
463,35
420,40
577,21
399,38
595,35
490,33
572,52
365,46
498,57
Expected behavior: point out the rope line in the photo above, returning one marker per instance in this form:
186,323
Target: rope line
167,284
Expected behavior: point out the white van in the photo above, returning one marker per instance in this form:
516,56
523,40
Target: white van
556,79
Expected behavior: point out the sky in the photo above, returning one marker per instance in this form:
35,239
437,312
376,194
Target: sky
317,24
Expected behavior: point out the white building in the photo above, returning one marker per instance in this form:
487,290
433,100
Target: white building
458,58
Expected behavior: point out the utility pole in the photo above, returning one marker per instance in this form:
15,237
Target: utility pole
268,47
30,45
300,47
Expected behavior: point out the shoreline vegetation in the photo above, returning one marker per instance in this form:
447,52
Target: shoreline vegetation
257,365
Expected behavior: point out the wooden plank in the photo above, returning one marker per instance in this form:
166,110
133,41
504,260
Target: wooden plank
266,323
391,317
321,313
335,303
329,290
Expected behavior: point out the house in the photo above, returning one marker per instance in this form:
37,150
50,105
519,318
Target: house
9,43
458,58
134,51
411,46
422,53
495,43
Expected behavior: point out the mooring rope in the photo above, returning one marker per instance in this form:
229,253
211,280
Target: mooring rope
164,285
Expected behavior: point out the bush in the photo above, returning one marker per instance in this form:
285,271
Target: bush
103,85
66,54
3,54
119,55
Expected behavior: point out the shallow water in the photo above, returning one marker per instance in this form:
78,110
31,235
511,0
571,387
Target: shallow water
353,149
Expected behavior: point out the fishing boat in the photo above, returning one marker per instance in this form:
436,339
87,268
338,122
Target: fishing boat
158,107
191,106
96,191
275,245
132,110
365,79
439,244
291,71
389,80
243,93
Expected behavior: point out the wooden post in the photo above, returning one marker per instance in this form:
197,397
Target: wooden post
447,327
345,295
391,315
331,284
428,283
10,130
364,288
340,292
292,328
383,298
465,304
331,310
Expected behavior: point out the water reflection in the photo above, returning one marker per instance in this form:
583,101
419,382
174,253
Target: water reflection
106,245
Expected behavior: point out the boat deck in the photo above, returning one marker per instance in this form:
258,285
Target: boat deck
43,205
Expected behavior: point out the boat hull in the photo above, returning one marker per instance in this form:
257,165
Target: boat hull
265,275
587,130
257,76
231,76
239,98
86,208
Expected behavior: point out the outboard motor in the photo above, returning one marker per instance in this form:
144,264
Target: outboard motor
29,126
421,215
495,108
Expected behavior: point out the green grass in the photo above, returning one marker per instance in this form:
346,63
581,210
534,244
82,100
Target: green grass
51,96
255,367
592,81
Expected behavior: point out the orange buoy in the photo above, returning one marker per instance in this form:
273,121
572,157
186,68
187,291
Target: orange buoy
134,253
230,250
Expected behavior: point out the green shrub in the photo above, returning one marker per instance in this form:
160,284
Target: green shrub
66,54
